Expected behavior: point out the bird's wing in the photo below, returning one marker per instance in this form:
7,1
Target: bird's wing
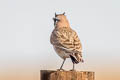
66,39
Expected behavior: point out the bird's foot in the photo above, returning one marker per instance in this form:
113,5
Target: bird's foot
72,70
60,70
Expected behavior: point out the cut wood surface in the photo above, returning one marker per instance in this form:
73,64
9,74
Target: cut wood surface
66,75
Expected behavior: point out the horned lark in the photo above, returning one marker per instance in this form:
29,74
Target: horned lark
65,40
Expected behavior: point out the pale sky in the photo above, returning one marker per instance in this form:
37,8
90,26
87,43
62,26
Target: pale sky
26,25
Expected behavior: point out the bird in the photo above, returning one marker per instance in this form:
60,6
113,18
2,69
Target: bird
65,41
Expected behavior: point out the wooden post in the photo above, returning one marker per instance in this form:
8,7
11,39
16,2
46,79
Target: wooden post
66,75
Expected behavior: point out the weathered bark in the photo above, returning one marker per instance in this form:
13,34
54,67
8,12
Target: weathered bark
66,75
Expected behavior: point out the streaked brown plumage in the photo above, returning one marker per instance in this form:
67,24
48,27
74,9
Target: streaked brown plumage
65,40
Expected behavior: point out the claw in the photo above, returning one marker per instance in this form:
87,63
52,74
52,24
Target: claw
72,70
60,70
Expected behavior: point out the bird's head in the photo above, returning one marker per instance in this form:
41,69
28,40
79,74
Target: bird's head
60,19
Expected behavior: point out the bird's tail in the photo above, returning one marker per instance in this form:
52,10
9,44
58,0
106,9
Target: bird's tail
76,58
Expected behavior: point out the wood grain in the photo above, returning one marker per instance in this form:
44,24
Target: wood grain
66,75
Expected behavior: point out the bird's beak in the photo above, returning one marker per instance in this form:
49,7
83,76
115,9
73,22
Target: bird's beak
56,19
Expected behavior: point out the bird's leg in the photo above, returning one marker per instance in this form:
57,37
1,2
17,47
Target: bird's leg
73,66
73,69
62,65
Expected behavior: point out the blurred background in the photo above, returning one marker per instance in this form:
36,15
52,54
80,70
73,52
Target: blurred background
26,25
